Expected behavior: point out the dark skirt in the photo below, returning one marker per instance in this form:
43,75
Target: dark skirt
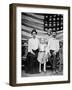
31,65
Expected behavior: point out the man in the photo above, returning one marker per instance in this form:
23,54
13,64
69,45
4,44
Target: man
53,48
33,44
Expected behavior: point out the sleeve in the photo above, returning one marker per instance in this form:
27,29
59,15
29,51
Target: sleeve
57,49
38,43
47,48
29,46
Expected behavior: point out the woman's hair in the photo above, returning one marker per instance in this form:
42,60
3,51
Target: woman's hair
34,30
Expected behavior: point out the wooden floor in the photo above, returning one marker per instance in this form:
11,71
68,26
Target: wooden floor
47,73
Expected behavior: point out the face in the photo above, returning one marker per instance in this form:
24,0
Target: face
42,40
34,34
54,34
49,32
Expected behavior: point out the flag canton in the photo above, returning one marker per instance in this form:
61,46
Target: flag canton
53,21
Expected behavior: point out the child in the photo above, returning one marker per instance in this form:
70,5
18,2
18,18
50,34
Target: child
42,58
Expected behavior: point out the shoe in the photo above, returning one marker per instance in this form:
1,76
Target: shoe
45,71
54,72
39,71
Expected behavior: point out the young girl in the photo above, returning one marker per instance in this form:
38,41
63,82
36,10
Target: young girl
42,57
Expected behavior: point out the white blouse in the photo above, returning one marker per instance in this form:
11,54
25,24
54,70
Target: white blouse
33,44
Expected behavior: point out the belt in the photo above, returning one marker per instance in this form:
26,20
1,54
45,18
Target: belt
41,51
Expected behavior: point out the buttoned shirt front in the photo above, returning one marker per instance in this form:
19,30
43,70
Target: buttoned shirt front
33,43
53,44
48,37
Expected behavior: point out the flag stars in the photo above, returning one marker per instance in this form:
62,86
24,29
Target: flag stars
49,24
61,27
50,16
54,19
57,28
61,18
57,18
54,15
57,23
46,29
50,19
61,23
46,24
53,29
46,16
54,24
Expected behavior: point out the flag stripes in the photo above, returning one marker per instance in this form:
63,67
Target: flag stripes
41,22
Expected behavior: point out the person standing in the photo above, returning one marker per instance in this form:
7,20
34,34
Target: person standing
33,44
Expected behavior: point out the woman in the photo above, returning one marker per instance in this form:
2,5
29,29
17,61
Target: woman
31,61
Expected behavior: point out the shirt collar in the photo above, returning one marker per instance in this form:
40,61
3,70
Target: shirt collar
34,38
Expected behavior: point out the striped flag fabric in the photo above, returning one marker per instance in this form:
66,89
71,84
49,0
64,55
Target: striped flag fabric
41,22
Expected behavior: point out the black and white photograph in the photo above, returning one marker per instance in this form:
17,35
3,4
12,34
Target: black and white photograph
42,44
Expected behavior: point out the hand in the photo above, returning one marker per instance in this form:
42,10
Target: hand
54,52
32,52
49,54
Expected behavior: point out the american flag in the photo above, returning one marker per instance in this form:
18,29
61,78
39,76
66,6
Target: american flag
41,22
53,21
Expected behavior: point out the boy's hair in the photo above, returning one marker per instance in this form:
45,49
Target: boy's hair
54,31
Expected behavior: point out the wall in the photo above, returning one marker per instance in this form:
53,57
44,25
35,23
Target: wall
4,45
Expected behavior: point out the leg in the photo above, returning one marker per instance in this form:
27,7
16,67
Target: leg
39,67
60,61
31,63
54,62
27,64
45,67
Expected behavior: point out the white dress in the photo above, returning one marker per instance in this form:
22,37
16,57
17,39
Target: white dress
41,55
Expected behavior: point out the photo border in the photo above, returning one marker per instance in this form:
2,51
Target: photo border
12,40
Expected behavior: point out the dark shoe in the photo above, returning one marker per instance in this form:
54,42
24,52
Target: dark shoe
54,72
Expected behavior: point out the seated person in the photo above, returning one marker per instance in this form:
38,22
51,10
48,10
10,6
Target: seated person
52,49
31,59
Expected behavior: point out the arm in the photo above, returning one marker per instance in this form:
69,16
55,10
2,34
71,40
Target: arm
38,43
47,48
29,46
57,49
